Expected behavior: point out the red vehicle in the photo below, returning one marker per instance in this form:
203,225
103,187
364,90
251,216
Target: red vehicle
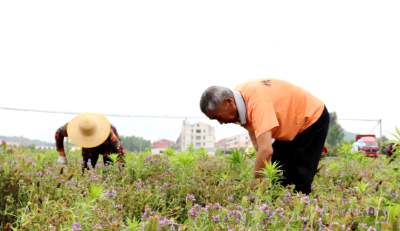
371,147
324,151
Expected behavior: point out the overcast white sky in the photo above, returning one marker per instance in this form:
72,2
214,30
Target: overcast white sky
157,57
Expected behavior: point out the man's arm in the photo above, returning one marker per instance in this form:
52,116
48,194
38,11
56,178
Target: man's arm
253,140
114,130
59,136
116,145
264,152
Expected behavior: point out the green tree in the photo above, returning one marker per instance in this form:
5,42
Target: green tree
382,149
133,143
31,147
332,119
336,132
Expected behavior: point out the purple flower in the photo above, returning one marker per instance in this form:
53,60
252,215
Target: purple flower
163,221
371,229
306,200
3,142
97,227
190,197
146,214
27,209
39,173
344,212
237,216
217,206
194,211
320,211
263,207
370,210
109,194
215,219
75,226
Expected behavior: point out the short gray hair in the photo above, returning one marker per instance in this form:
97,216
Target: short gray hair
213,96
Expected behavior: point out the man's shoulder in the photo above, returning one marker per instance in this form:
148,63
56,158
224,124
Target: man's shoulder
248,86
113,128
254,84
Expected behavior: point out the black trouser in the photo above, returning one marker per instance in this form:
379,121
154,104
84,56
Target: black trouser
300,157
93,160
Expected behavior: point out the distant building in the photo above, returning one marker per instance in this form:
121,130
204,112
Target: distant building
200,135
221,144
241,141
75,148
162,144
41,147
13,144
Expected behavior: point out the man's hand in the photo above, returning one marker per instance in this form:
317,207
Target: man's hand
62,154
62,159
265,152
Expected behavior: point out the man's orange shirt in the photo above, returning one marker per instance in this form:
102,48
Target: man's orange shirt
278,106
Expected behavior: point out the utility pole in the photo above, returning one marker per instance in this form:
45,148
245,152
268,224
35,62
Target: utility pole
380,125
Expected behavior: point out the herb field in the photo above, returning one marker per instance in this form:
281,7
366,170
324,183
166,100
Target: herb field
194,191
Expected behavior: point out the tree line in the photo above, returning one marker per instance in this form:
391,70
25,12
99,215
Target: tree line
133,143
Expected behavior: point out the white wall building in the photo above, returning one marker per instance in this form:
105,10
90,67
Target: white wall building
42,147
238,141
201,135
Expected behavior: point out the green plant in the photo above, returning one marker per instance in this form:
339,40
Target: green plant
362,187
201,153
169,151
136,165
114,158
272,172
132,224
237,162
191,149
219,152
237,158
96,192
183,161
396,150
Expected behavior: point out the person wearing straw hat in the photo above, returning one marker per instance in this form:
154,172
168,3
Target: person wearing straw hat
275,109
94,133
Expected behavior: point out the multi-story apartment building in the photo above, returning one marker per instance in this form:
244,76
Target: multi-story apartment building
200,135
241,141
221,144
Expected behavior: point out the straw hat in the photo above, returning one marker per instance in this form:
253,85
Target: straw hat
88,130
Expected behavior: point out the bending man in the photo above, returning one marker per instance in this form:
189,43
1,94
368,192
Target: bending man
94,133
273,108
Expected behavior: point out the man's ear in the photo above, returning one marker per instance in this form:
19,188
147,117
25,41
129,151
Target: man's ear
229,100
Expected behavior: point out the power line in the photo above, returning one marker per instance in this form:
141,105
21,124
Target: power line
361,119
112,115
138,116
